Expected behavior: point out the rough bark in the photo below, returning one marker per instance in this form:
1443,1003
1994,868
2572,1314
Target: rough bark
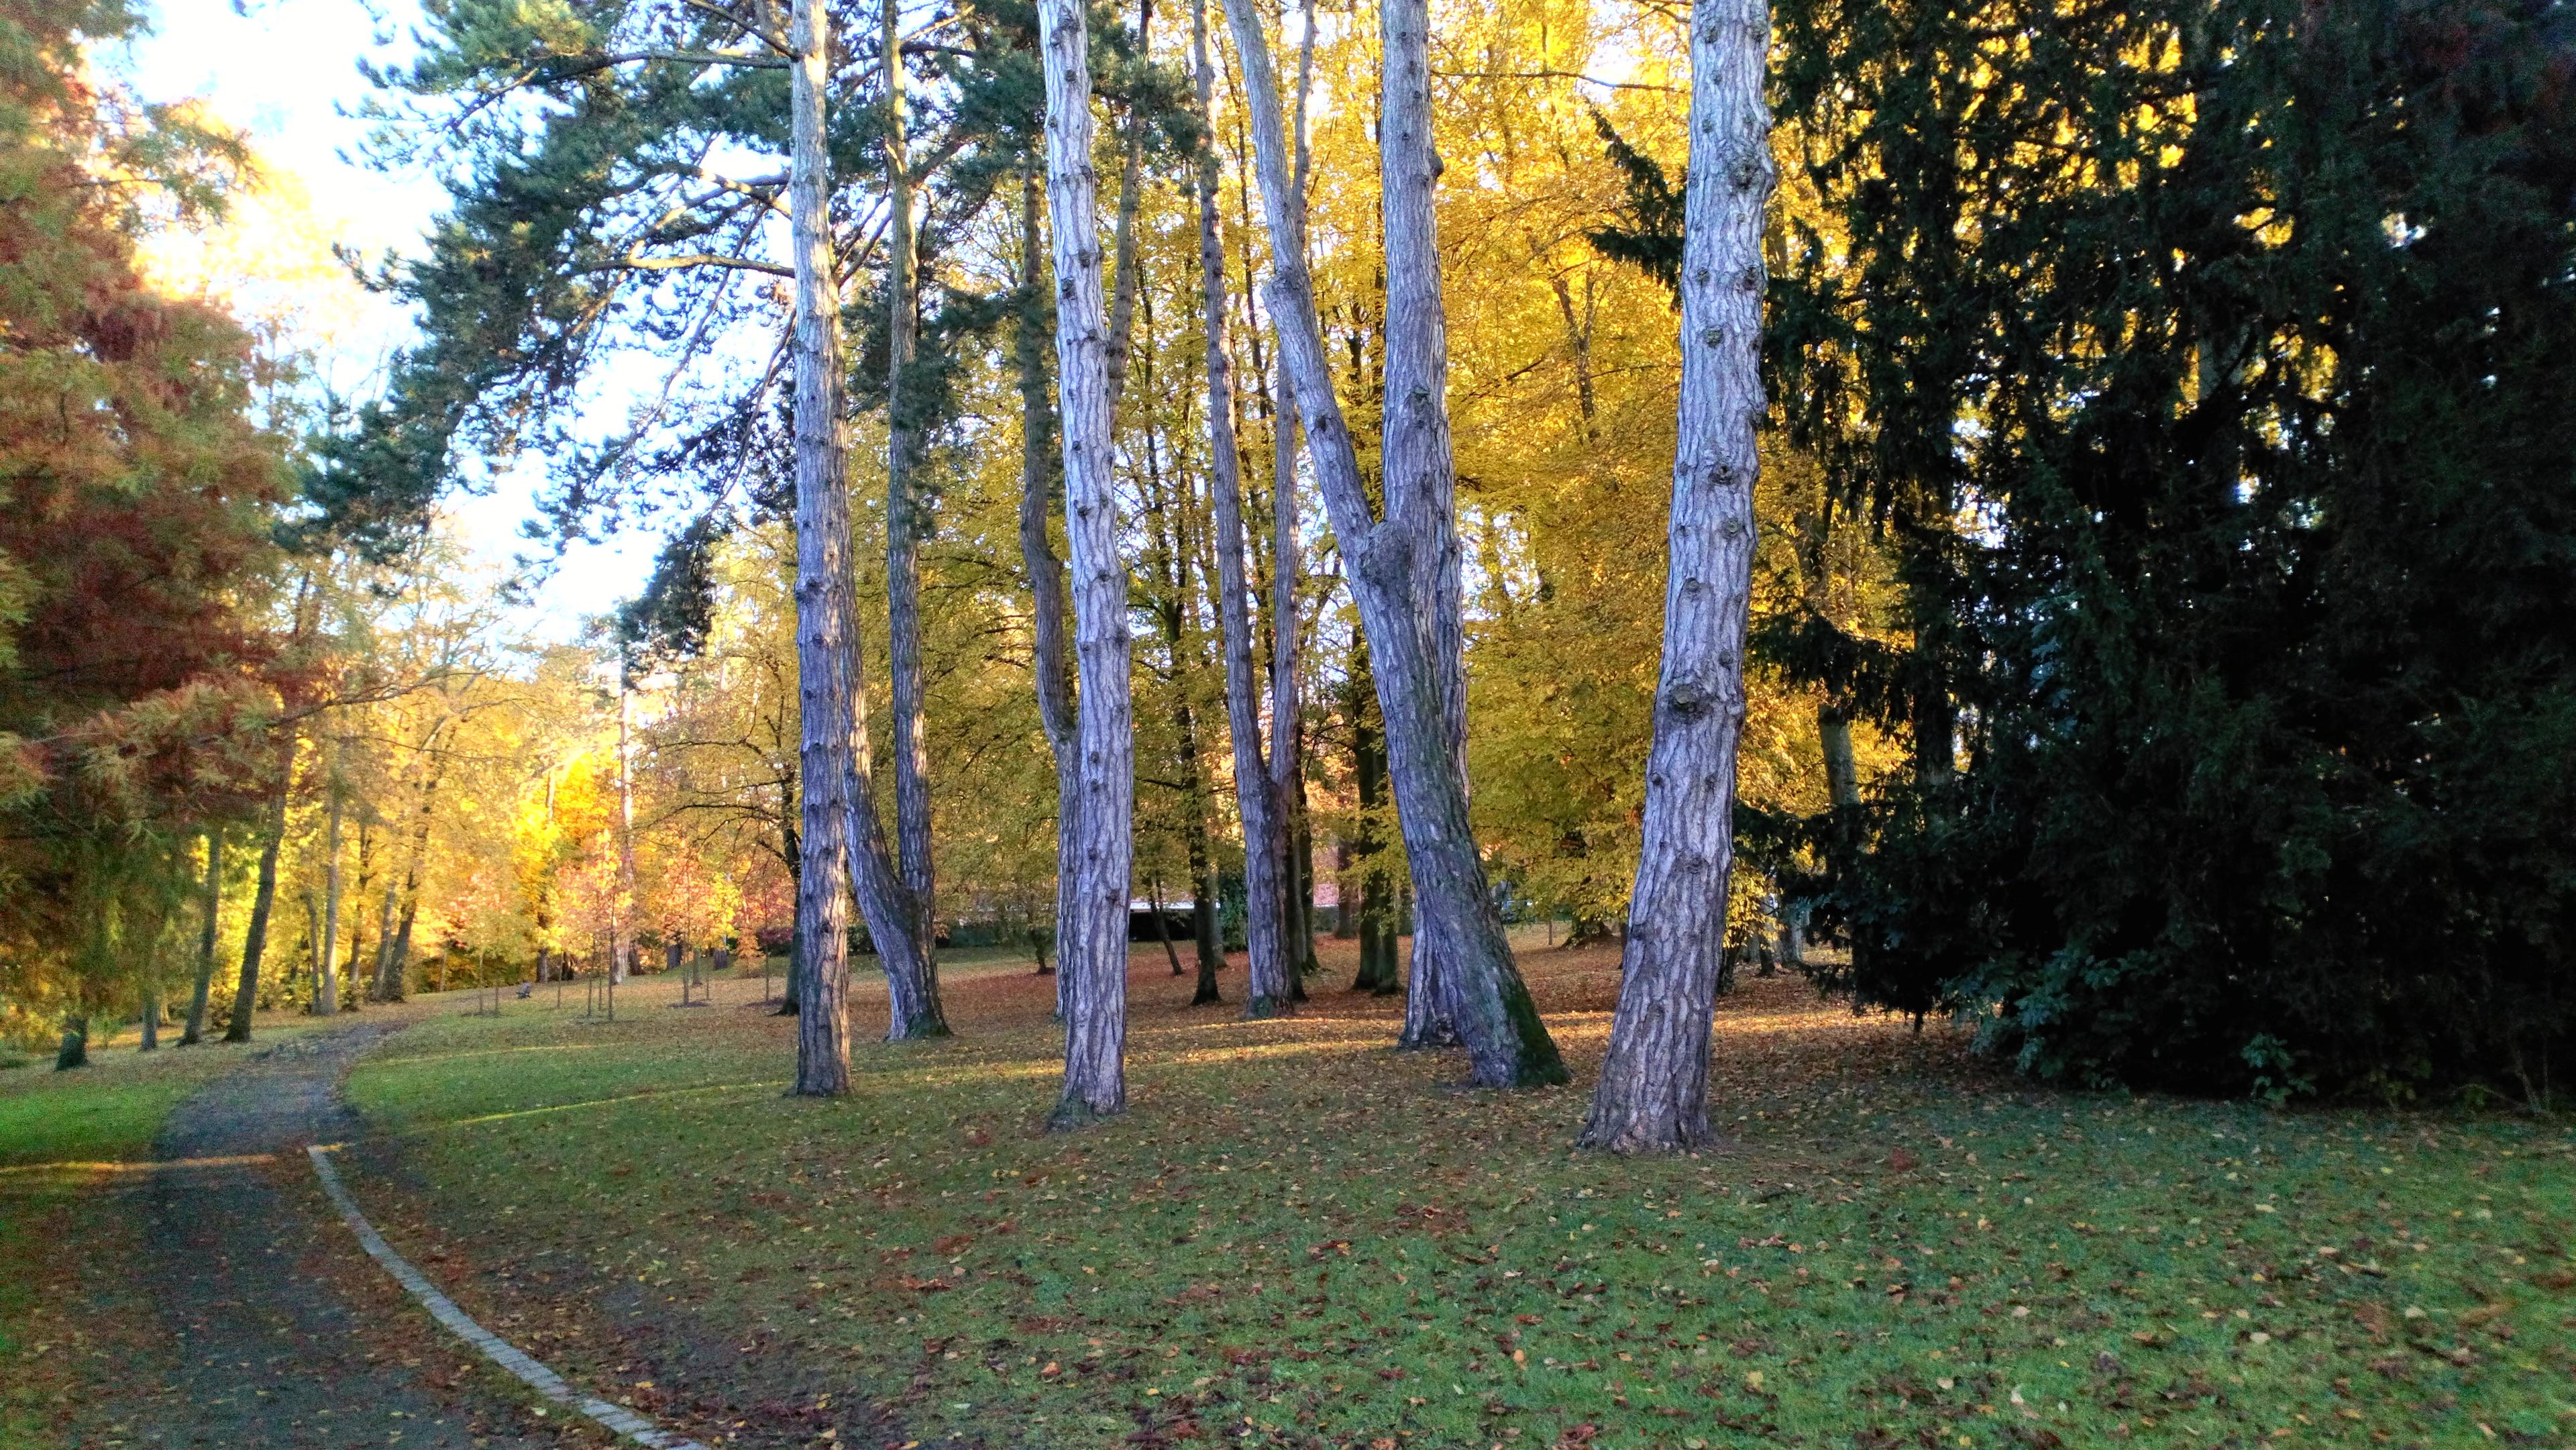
824,616
326,975
1256,796
1050,662
1653,1091
912,977
212,913
1091,933
1392,565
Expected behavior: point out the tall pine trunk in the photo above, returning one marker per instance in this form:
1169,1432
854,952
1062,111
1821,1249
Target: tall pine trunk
1091,935
1051,663
837,817
195,1031
1394,562
1256,796
1653,1091
1296,895
912,978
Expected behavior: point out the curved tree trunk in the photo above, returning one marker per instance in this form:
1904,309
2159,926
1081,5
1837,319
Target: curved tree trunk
832,749
1653,1092
1394,561
263,902
1091,934
912,977
195,1031
1287,763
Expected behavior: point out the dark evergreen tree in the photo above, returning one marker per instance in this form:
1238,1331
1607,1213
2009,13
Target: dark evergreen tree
2208,365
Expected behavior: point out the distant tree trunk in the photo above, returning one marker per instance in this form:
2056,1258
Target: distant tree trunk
1091,924
1395,563
912,977
1842,771
1256,799
1653,1091
1205,924
1163,924
195,1032
1378,973
621,923
326,976
262,902
74,1051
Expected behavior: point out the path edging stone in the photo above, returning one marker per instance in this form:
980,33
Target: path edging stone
617,1418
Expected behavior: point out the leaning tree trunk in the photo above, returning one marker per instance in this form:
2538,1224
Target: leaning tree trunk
1653,1092
263,902
826,624
195,1031
326,976
1256,797
1393,561
1091,933
912,977
1296,897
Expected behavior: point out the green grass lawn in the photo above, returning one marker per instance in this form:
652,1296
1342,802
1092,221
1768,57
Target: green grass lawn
1296,1236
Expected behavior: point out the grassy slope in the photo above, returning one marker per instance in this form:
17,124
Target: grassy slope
1296,1236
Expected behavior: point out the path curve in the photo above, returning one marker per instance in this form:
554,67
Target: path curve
283,1335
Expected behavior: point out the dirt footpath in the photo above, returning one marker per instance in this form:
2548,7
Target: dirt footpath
281,1333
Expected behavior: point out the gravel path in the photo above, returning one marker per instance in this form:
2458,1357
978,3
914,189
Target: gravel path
283,1334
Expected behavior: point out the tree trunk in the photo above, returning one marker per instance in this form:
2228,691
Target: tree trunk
1050,661
621,922
1378,973
1206,927
1091,930
1125,274
838,817
1394,563
1287,765
74,1051
912,977
1163,925
326,975
1256,799
1653,1091
263,901
195,1032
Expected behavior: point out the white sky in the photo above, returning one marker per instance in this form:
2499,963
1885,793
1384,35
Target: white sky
285,71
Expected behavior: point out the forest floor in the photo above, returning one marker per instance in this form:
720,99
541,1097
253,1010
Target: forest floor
1295,1236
